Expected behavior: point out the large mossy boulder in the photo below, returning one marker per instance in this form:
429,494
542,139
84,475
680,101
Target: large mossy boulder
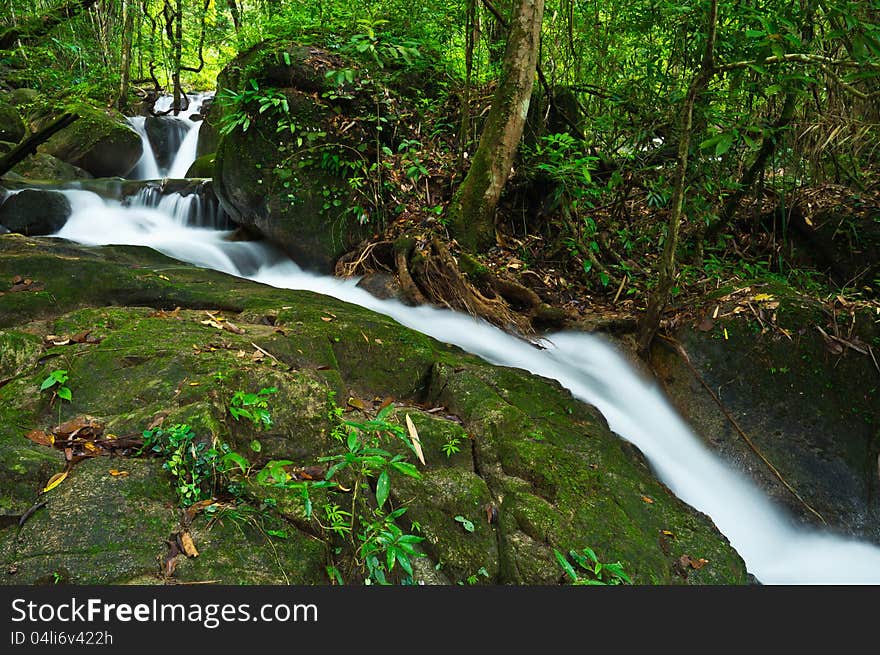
101,142
35,212
12,127
533,469
286,174
42,166
786,394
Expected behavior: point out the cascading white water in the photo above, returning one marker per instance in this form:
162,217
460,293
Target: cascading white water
775,550
147,167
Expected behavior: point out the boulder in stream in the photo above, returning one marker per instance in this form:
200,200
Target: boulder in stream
101,142
35,212
287,176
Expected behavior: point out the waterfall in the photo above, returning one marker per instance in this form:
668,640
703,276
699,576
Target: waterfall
148,167
776,550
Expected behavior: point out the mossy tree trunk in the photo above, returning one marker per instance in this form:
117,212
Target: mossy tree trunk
125,73
472,211
660,297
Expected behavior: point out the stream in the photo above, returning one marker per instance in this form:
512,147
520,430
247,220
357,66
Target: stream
775,548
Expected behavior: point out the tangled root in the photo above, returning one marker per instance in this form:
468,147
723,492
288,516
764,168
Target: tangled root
427,273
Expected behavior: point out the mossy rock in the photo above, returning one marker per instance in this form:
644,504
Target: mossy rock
100,142
12,127
42,166
96,528
275,182
817,418
203,166
536,471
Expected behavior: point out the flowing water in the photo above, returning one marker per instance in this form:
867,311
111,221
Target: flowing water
775,549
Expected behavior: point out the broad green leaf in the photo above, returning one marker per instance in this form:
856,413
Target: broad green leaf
407,469
724,144
383,485
566,565
64,392
237,460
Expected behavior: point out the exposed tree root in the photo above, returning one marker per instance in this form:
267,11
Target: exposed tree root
427,273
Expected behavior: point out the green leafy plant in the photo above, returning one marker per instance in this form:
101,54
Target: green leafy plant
56,382
451,446
587,561
465,523
198,468
253,407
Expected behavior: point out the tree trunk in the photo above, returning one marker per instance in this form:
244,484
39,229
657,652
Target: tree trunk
235,13
127,34
660,296
178,54
472,210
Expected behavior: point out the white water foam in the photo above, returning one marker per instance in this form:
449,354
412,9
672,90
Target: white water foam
147,167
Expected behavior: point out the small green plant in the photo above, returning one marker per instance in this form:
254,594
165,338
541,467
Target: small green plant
599,573
253,406
474,578
451,446
56,382
465,523
197,467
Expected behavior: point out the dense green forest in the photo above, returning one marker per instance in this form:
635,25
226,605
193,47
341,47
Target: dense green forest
667,143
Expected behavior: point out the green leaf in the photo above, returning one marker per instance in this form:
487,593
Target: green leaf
48,382
286,58
465,523
352,440
64,392
407,469
383,486
566,565
256,446
237,460
724,144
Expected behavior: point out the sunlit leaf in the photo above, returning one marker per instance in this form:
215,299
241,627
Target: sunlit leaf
414,437
55,480
383,485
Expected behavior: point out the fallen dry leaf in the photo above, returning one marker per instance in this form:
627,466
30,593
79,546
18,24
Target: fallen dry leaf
189,548
414,437
118,474
40,437
55,480
648,499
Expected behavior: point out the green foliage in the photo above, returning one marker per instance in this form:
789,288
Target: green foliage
598,573
56,382
451,446
379,544
197,467
253,407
